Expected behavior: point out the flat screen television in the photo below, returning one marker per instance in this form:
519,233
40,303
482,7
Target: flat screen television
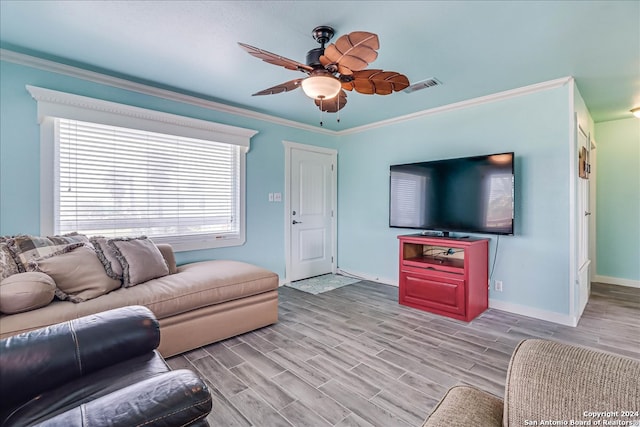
468,194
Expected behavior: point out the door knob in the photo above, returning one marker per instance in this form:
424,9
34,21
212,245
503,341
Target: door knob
297,222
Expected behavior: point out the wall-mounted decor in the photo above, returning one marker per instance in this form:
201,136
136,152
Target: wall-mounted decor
583,153
584,168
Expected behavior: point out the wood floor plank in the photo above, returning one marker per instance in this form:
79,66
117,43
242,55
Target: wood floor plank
312,397
351,380
259,361
339,357
354,357
267,389
381,365
220,376
289,345
223,355
179,362
390,386
258,342
432,389
224,413
361,406
302,369
257,411
435,374
301,416
354,421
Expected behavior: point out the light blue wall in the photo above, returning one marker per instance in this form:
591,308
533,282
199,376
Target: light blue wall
534,263
20,161
618,199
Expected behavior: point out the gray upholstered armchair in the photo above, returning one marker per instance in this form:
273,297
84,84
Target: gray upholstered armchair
553,382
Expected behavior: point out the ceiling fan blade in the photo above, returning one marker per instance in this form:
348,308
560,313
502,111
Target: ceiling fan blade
334,104
352,52
274,59
282,87
376,82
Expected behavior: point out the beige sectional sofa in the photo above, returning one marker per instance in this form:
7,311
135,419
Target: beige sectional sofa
196,303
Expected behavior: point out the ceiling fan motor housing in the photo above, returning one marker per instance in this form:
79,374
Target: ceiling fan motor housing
322,34
313,57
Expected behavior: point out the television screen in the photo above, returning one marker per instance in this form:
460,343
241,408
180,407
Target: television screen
470,194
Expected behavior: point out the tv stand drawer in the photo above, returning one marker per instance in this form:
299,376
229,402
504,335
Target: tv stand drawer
433,292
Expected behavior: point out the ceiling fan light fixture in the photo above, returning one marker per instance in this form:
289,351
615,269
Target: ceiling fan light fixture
321,87
636,112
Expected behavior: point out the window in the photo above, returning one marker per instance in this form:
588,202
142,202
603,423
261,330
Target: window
111,180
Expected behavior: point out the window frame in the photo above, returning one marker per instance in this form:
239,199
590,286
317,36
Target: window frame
54,104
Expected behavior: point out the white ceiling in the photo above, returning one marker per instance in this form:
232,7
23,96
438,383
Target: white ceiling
474,48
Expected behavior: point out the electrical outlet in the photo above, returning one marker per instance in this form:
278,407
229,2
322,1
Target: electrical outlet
498,285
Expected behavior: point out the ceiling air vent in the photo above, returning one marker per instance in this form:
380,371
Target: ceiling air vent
424,84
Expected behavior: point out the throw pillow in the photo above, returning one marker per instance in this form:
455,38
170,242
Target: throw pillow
107,256
77,272
140,258
25,291
27,247
8,266
68,239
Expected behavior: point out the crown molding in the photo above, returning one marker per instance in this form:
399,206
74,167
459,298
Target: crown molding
92,76
55,67
512,93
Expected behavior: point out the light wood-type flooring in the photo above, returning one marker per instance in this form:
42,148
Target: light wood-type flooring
355,357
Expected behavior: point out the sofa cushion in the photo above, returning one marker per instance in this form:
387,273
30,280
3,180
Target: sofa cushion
26,291
25,247
107,256
465,406
8,265
141,260
194,286
169,257
77,272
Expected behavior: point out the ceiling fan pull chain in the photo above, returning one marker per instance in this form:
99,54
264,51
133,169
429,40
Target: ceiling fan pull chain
338,111
321,112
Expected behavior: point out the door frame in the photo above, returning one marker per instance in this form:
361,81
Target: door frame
288,148
575,217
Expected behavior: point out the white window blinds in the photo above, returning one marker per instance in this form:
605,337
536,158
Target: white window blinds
115,181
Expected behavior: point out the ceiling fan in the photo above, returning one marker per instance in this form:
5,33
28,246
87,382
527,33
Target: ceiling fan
334,69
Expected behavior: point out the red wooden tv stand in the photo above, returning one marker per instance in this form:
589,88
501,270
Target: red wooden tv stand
447,276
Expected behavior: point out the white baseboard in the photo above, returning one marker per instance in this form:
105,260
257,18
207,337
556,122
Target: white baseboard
365,276
536,313
616,281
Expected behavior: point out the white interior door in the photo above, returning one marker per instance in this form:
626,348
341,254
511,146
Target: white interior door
584,226
311,205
